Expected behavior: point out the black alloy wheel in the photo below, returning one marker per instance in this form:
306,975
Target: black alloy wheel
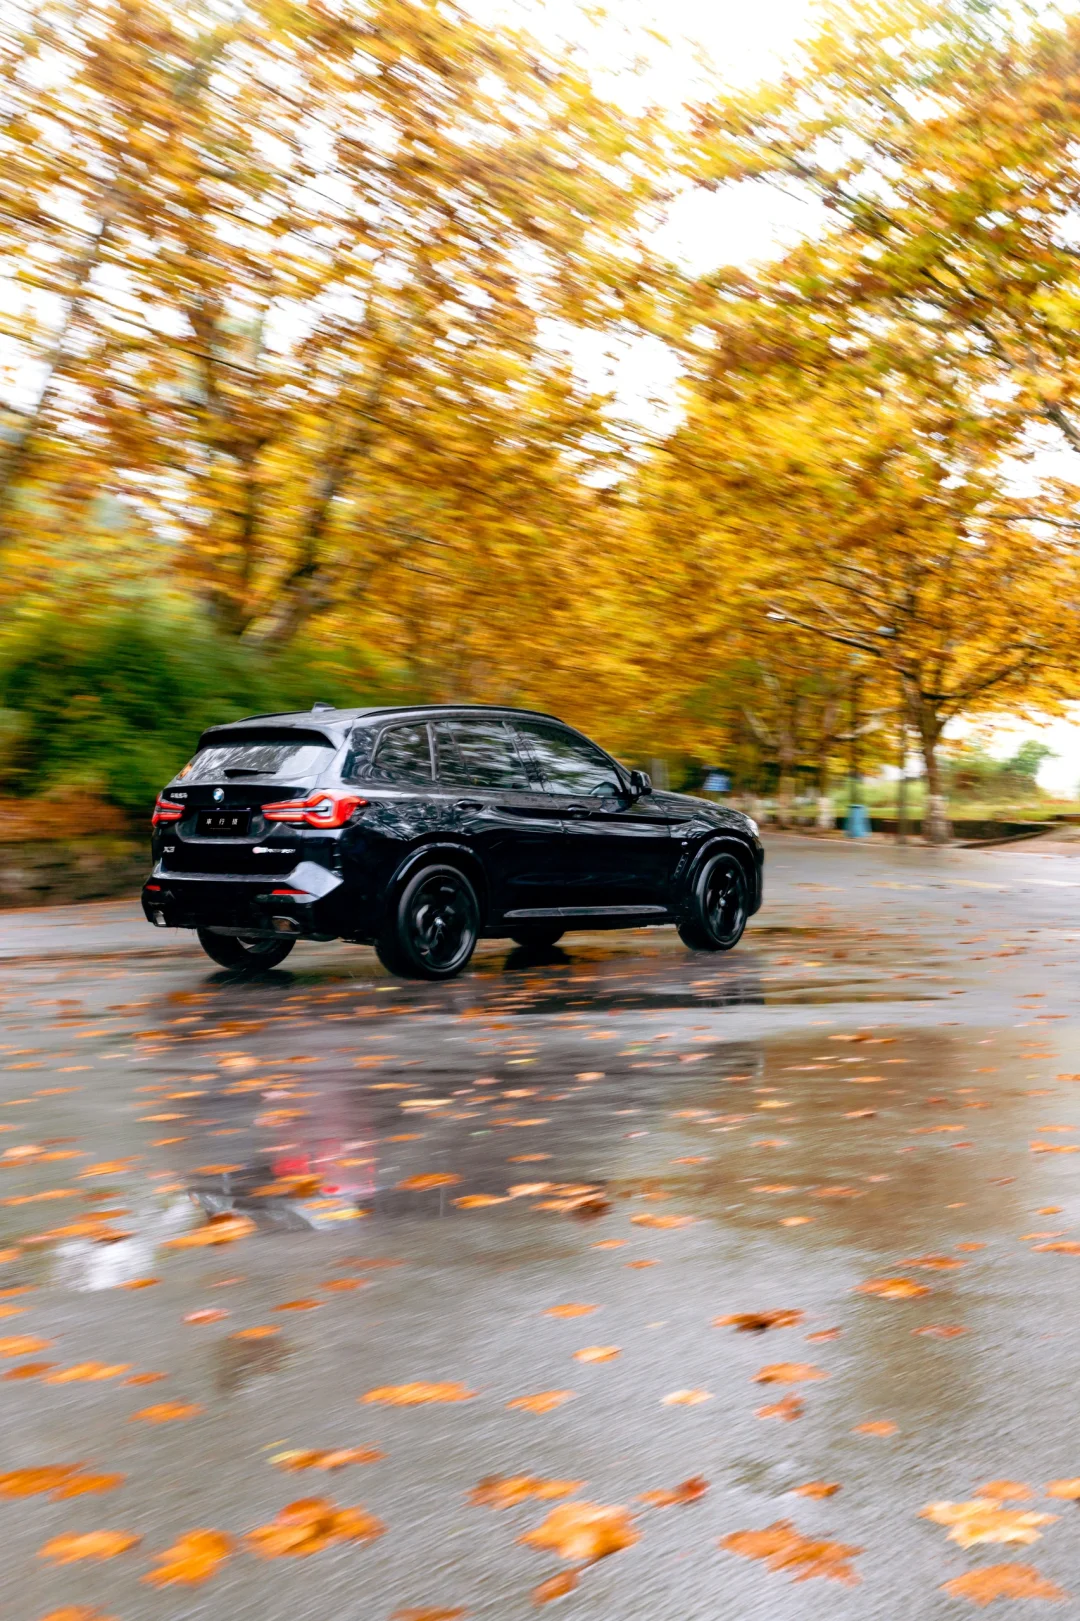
718,908
537,937
252,954
434,928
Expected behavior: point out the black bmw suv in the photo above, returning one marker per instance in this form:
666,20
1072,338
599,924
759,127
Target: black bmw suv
418,830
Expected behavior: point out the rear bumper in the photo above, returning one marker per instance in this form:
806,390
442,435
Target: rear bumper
307,902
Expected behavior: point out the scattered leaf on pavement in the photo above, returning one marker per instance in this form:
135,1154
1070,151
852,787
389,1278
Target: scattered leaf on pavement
73,1545
688,1492
982,1520
545,1401
506,1491
782,1547
982,1587
417,1394
788,1373
309,1525
584,1531
193,1558
756,1322
892,1288
164,1412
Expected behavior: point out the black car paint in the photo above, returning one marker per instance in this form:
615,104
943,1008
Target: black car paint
531,854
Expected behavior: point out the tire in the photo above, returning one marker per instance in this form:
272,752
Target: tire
718,908
252,956
538,938
434,927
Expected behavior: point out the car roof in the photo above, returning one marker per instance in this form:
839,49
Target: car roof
338,720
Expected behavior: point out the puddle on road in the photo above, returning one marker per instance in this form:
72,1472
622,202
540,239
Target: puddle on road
445,1171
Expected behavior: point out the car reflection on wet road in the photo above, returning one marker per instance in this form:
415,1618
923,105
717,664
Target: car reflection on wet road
489,1228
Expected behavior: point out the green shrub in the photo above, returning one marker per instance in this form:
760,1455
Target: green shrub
113,704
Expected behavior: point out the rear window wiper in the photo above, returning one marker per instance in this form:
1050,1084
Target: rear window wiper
244,771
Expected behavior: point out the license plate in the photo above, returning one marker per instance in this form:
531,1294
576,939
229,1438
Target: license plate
224,823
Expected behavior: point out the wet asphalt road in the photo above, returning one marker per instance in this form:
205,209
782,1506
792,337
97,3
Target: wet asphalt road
852,1095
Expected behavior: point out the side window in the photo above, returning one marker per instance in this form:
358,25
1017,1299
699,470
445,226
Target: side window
569,764
479,754
402,754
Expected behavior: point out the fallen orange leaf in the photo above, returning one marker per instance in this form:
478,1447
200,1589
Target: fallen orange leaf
584,1531
756,1322
28,1370
77,1612
429,1615
688,1492
208,1314
506,1491
261,1331
555,1587
81,1372
23,1345
686,1398
817,1488
218,1230
981,1520
893,1288
309,1525
788,1373
786,1411
982,1587
193,1558
877,1426
543,1402
782,1547
415,1395
163,1412
571,1309
73,1545
431,1179
1069,1490
30,1482
597,1353
332,1458
80,1485
662,1221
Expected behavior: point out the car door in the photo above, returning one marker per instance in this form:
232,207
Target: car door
513,824
622,854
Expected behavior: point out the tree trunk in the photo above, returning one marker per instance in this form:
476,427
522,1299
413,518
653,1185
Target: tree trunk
902,784
826,810
936,829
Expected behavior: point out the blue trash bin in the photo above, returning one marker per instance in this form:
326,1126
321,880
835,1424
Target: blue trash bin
857,825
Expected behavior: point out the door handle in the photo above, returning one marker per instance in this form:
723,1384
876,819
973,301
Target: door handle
468,805
576,810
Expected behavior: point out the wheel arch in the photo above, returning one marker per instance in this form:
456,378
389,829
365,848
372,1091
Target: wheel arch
452,854
716,844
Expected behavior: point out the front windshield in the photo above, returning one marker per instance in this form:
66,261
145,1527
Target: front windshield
252,755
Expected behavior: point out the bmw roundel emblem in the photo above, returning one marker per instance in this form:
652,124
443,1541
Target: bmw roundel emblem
219,795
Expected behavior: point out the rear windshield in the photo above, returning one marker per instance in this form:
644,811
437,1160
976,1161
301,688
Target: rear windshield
260,754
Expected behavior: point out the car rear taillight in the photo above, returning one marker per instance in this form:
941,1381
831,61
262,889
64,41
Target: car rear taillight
329,807
166,810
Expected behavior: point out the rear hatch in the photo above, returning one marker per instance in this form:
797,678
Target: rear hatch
223,789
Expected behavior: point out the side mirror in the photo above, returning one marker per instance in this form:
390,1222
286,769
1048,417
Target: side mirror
640,783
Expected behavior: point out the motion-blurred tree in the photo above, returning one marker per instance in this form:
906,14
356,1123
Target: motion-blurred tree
861,409
297,277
